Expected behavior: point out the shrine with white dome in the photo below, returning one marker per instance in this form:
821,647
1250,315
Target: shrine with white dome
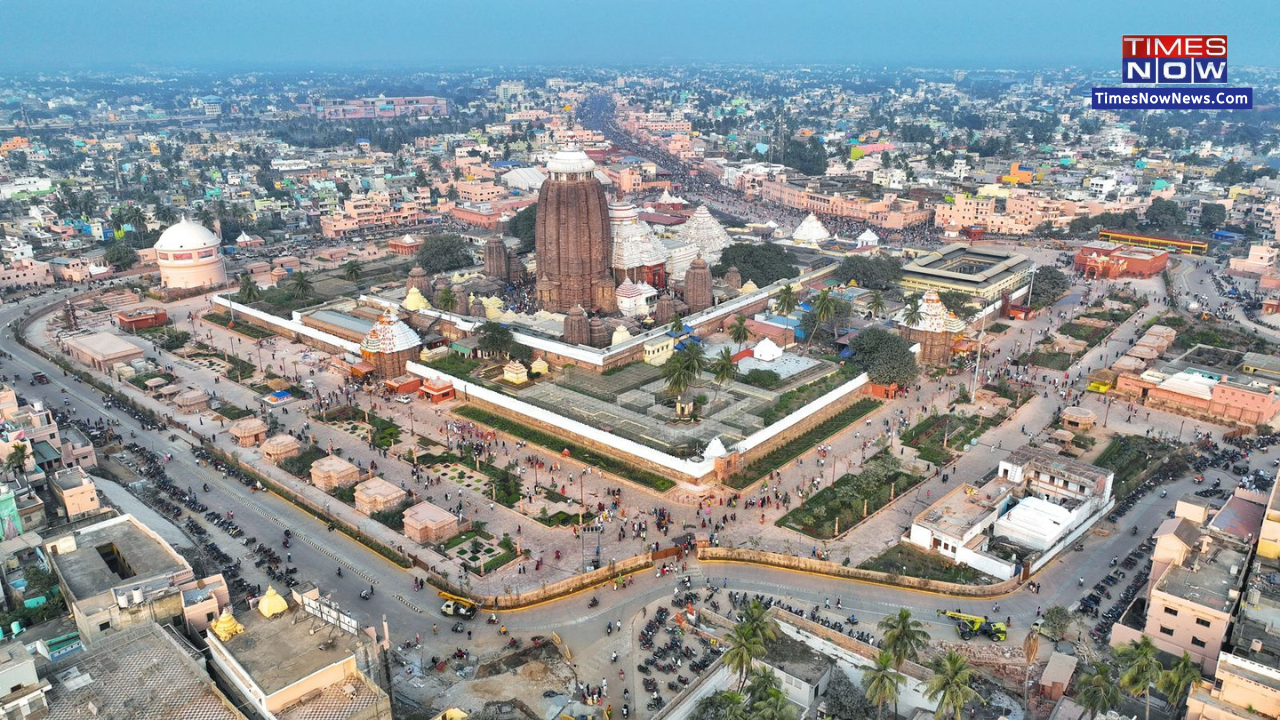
189,256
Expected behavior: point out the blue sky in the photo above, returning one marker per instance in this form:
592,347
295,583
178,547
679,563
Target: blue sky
423,34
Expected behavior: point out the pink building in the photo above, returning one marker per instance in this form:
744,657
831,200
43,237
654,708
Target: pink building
379,107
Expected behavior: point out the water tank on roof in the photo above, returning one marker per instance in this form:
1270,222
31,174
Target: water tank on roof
15,627
137,595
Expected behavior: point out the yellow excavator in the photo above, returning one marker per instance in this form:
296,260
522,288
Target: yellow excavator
456,606
970,625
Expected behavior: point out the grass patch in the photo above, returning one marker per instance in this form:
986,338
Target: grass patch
1129,457
233,412
1016,393
764,379
836,508
1048,360
927,436
1087,334
792,400
903,559
556,445
140,381
998,328
300,465
385,432
244,327
1220,336
166,337
457,540
803,443
455,365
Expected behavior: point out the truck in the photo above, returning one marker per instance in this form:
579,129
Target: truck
40,378
969,625
456,606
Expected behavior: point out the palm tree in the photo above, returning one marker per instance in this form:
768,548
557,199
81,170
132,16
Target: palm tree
951,685
351,270
249,291
1030,649
1177,681
723,705
761,683
137,218
684,368
882,683
204,216
723,369
786,302
16,461
876,304
912,314
165,215
904,638
300,284
1097,691
823,308
445,299
744,647
738,331
774,707
1140,669
757,618
677,326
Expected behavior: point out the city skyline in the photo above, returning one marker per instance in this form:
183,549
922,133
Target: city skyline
987,34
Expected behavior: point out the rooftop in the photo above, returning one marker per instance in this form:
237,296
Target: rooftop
1240,519
103,344
979,267
1208,578
788,655
958,510
111,554
1059,466
140,674
71,478
280,651
426,513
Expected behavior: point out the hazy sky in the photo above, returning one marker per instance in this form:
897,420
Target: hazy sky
422,34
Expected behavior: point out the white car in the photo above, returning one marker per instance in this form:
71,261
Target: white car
404,399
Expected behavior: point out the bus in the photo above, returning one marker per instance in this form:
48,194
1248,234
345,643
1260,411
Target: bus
1189,247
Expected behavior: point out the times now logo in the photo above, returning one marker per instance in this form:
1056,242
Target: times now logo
1184,59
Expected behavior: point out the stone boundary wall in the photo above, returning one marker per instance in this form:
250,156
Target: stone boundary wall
822,567
568,586
293,328
765,440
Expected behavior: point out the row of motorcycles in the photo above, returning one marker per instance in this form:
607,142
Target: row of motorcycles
670,655
227,470
1091,604
845,627
1170,472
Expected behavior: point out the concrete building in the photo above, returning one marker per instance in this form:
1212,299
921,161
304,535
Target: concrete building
803,672
1210,395
1101,260
75,491
390,345
981,272
958,526
189,256
427,523
378,495
118,574
102,350
301,658
331,472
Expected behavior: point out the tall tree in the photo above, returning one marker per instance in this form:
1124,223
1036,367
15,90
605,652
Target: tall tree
883,683
723,369
738,330
1176,682
300,284
249,291
351,270
445,299
786,302
823,308
912,314
165,215
876,304
1140,669
16,461
904,637
1097,691
951,686
744,647
682,369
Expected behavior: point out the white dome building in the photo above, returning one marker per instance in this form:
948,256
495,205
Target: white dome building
810,232
189,256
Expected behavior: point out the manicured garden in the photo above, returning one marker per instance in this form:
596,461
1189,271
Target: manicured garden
836,508
363,424
905,560
166,336
929,435
140,381
233,412
792,400
556,445
1047,359
793,448
454,364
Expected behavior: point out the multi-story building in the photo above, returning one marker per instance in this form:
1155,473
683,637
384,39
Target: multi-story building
379,107
374,213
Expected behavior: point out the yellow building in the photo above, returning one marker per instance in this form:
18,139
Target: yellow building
981,272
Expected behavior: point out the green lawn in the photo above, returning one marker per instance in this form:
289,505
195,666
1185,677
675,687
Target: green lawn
789,451
233,412
242,326
555,445
385,432
140,381
166,336
792,400
1049,360
835,509
455,365
998,328
928,435
300,464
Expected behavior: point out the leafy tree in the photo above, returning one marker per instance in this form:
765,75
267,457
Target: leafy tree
1140,669
723,705
18,161
249,291
873,273
1231,173
300,284
165,215
441,253
882,682
121,256
762,682
904,637
1049,285
886,356
951,686
1165,214
738,330
351,270
1056,621
1097,691
1177,681
786,301
1213,215
524,226
809,157
495,339
958,303
761,264
774,707
445,299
